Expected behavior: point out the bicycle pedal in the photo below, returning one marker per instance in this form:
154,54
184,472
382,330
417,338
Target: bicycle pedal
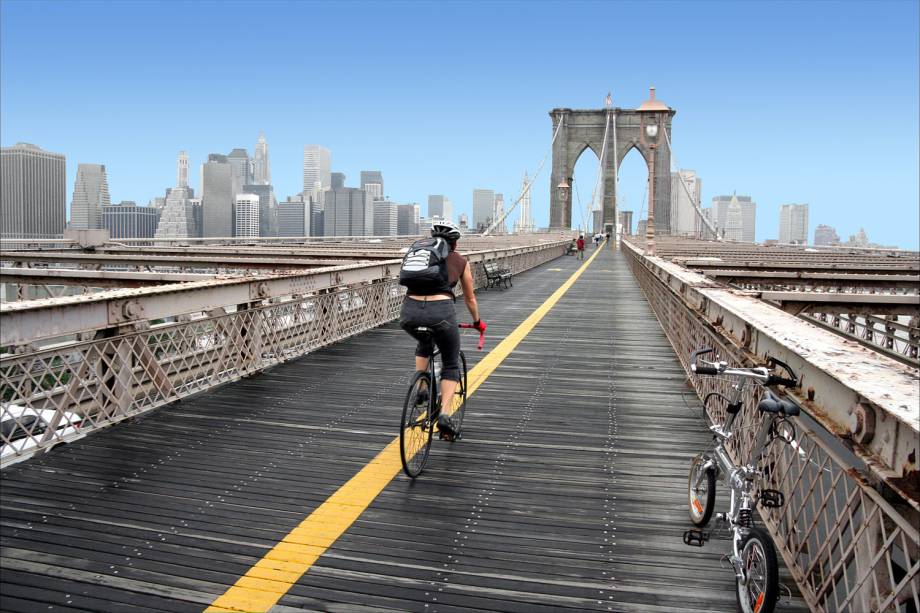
695,538
772,499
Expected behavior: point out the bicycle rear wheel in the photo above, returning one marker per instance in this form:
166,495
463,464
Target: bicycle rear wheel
416,426
758,559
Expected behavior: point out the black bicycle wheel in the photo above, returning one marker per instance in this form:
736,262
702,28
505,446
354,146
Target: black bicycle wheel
416,426
758,559
701,492
457,416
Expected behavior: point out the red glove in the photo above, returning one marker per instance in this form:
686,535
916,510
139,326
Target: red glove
480,325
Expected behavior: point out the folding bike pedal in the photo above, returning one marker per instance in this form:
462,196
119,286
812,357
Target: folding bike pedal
772,498
695,538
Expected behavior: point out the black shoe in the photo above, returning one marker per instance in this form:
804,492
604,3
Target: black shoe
446,428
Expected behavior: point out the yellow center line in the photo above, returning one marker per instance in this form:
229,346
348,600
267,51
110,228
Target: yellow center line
272,576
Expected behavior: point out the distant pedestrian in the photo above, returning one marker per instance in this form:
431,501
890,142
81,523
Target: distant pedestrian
580,245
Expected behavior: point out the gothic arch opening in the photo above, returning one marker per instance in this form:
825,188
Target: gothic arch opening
633,188
584,176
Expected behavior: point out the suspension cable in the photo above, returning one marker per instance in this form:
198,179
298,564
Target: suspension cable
526,187
695,202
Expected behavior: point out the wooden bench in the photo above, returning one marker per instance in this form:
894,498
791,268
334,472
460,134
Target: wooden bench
496,275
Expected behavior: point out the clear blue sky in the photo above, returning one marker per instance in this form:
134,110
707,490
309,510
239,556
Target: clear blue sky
787,102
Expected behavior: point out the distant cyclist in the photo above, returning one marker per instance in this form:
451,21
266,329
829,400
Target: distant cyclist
430,271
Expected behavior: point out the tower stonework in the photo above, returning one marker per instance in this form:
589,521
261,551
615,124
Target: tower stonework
642,128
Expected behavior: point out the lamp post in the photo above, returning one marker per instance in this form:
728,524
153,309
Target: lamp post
650,135
562,195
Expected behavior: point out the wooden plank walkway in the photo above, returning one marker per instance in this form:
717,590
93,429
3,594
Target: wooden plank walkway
567,493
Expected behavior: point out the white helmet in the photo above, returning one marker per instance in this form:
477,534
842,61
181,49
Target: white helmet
445,228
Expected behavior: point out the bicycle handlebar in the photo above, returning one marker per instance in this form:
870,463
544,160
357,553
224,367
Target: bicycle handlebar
482,335
760,373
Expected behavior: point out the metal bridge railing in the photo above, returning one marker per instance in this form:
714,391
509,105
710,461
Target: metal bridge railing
847,547
65,390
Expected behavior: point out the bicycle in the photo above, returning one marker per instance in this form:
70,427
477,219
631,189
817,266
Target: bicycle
753,555
419,414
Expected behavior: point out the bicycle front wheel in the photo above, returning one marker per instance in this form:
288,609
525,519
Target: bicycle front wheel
758,560
457,416
701,492
416,426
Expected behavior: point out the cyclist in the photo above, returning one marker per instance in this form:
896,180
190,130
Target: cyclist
434,308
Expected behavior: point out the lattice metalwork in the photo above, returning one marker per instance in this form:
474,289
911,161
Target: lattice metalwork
890,335
58,393
847,547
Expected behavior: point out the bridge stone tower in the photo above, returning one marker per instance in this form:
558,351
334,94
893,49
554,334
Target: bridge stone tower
642,128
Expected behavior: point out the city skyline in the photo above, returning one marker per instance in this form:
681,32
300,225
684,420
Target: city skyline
455,134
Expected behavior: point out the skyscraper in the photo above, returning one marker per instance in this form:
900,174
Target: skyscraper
178,218
826,235
33,192
317,171
240,168
386,218
261,171
525,223
686,188
436,206
483,203
247,215
182,170
744,220
372,183
498,214
625,218
90,194
793,224
268,208
217,197
292,217
347,211
407,218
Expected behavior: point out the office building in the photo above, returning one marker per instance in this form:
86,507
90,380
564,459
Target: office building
440,206
524,224
386,218
483,204
407,219
793,224
217,197
372,183
317,171
240,169
291,218
127,220
625,219
33,192
347,211
90,194
743,217
247,215
268,208
261,171
826,235
686,191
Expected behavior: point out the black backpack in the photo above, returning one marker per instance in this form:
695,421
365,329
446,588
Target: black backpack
424,267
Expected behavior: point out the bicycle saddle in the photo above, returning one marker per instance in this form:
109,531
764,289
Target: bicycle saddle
771,404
